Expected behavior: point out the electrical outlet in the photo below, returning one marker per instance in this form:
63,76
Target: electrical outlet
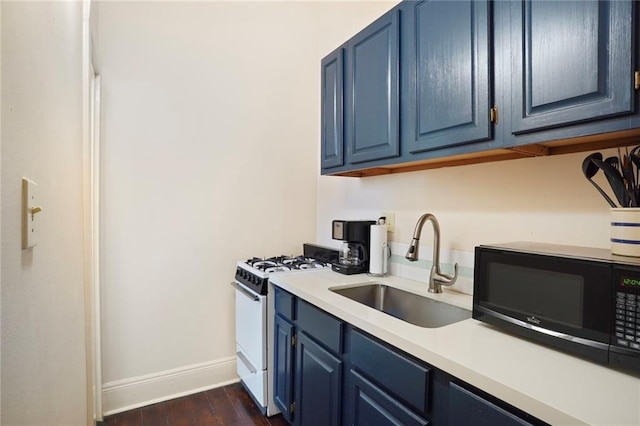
390,220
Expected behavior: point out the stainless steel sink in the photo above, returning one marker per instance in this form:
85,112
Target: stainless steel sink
409,307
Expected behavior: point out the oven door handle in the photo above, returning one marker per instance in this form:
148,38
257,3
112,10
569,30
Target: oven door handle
246,362
244,291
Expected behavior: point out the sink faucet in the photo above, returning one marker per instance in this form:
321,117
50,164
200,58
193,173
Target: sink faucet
436,278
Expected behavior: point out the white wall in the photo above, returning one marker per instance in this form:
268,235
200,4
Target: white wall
338,21
210,142
0,197
43,346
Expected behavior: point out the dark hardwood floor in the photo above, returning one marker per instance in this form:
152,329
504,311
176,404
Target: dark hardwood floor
229,405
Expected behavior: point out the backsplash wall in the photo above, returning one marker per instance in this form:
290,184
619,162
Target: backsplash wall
535,199
420,270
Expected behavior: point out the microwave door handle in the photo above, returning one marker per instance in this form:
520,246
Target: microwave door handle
244,291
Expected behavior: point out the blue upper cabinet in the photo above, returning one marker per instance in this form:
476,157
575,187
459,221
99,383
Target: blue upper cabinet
446,93
372,84
468,409
452,82
332,132
571,63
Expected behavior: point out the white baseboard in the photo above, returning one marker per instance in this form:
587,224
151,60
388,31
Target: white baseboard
134,392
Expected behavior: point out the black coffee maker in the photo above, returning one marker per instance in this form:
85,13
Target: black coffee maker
353,257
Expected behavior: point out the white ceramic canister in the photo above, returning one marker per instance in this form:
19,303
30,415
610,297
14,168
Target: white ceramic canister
625,231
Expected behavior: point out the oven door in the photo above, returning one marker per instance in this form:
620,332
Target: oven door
251,340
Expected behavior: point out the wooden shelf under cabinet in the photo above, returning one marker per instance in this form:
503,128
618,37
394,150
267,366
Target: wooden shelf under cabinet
543,149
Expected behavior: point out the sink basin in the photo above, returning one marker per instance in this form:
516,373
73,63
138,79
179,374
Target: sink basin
409,307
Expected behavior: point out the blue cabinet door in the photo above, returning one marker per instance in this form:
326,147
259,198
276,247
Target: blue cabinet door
408,380
370,405
332,136
318,385
570,62
372,91
469,409
283,365
446,84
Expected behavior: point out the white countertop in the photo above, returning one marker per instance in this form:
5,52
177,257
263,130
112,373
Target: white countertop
557,388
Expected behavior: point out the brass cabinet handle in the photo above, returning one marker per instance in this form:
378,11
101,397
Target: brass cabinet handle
493,114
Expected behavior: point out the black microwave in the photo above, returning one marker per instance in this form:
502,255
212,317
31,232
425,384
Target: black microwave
585,301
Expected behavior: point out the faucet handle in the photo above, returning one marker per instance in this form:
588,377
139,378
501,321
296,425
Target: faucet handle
444,279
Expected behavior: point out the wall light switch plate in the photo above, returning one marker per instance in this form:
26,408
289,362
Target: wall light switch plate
30,210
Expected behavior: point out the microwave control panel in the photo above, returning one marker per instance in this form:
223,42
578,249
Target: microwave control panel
626,331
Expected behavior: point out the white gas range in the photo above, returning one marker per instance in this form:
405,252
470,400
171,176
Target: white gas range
254,317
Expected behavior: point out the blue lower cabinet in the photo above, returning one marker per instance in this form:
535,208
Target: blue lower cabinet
468,409
283,363
368,405
329,373
323,327
403,377
318,383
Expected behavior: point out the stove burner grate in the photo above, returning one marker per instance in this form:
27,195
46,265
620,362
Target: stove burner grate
254,272
285,263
